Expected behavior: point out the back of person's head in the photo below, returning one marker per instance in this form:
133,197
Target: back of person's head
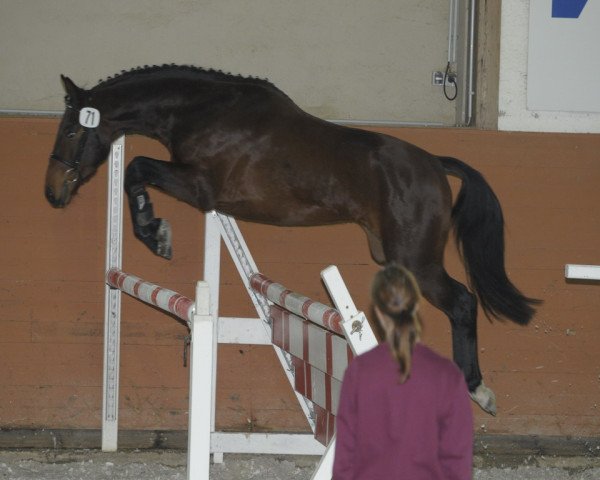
396,296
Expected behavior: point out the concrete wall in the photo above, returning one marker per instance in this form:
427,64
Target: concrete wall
546,376
354,60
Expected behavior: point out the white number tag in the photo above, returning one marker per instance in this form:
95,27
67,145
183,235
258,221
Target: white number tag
89,117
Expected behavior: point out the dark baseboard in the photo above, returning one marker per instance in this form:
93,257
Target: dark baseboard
502,445
537,445
75,438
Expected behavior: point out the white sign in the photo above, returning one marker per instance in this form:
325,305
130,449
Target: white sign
89,117
564,65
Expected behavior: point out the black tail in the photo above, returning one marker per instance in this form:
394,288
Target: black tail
479,229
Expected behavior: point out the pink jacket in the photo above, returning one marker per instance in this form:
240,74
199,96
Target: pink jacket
419,430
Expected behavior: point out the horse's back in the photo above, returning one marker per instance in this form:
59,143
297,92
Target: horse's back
272,162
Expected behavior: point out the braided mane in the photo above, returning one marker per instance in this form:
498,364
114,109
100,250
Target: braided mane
180,70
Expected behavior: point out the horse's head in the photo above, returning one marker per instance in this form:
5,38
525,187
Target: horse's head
82,144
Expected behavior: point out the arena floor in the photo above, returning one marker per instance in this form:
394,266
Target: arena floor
170,465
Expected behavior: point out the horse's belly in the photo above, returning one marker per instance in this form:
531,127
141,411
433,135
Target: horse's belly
283,213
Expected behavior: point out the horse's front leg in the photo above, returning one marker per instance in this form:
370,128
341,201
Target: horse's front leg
175,180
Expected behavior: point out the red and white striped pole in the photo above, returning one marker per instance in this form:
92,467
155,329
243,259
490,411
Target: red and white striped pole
147,292
300,305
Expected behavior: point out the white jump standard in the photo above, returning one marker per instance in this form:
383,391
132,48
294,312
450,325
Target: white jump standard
303,325
318,358
197,316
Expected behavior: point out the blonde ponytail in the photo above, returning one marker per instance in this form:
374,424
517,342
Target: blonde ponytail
396,296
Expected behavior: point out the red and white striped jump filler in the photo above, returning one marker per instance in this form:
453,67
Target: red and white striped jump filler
318,366
325,350
147,292
314,335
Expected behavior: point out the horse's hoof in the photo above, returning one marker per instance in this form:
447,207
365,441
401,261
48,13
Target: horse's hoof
485,398
163,240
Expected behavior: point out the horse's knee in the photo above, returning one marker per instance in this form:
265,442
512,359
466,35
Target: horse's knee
134,173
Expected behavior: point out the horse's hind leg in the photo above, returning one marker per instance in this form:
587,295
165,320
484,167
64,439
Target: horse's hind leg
460,306
173,179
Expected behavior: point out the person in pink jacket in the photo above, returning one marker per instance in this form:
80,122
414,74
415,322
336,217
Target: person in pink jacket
404,410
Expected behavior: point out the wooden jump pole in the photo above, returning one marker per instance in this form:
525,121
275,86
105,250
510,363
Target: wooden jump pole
152,294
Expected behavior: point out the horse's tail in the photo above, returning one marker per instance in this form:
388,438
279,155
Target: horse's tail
479,229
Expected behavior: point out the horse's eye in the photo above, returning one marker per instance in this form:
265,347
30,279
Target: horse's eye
71,134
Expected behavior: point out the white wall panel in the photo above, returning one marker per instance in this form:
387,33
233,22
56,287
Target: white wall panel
564,63
513,112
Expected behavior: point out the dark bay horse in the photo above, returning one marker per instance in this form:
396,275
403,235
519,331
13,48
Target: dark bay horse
242,147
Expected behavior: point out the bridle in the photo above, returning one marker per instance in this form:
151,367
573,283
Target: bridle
74,164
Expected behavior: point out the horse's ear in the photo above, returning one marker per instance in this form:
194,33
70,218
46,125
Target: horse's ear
72,90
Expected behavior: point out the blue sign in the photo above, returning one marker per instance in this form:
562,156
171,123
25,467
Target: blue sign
567,8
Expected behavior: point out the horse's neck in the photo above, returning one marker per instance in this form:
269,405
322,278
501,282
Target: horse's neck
150,117
153,116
